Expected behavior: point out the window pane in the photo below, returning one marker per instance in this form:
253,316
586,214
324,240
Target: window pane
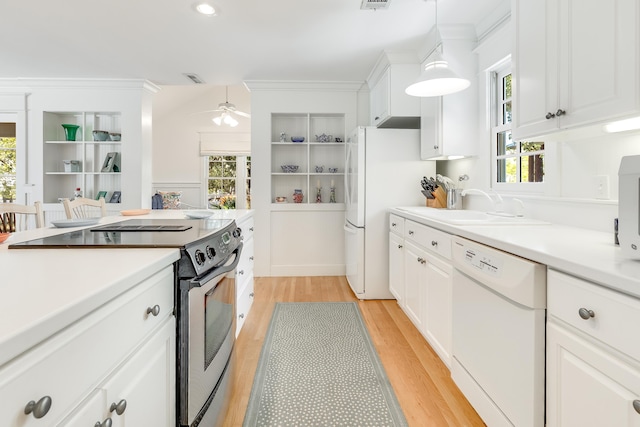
8,169
506,87
528,147
532,168
505,144
506,113
507,170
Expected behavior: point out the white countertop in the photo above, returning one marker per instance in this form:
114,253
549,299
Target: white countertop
591,255
43,291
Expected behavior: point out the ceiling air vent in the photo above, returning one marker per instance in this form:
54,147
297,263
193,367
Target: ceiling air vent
374,4
194,78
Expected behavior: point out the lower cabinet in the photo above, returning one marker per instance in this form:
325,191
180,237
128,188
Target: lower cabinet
421,278
593,367
244,274
122,353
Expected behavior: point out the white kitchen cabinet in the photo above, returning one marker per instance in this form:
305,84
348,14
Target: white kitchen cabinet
244,273
389,105
574,64
449,124
428,279
70,366
319,159
593,361
396,258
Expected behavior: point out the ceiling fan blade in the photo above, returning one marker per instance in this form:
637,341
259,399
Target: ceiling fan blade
243,114
210,111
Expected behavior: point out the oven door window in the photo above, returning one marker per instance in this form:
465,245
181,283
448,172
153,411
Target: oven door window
218,318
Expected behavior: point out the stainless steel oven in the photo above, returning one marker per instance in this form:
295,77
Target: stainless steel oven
206,334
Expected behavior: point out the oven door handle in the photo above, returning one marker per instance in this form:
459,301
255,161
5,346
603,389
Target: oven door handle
218,271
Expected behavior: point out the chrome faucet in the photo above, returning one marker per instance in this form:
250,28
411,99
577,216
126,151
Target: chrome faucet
482,193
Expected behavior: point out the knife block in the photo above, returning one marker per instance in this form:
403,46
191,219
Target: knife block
440,199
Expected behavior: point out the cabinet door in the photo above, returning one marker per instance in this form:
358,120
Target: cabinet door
379,99
90,412
415,290
396,267
146,382
598,60
534,66
586,385
437,311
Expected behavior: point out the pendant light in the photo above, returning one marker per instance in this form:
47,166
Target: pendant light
437,79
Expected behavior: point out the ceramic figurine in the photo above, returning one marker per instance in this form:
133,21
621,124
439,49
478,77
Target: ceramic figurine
332,195
297,196
319,195
283,136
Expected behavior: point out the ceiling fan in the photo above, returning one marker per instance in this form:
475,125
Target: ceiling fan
227,110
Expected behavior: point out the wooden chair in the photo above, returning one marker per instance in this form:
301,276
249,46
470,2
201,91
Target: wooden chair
17,217
84,208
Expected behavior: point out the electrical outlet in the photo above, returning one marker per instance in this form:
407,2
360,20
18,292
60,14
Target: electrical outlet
602,187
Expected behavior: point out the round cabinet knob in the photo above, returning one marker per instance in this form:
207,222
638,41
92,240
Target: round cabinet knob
586,314
399,246
119,407
550,116
376,118
241,315
435,147
40,408
251,258
393,224
105,423
155,310
560,112
250,228
241,272
434,243
410,233
636,405
251,294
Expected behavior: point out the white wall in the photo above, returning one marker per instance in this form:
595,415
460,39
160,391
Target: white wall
177,119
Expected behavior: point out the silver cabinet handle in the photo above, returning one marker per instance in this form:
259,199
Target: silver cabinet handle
241,315
435,147
393,224
105,423
40,408
119,407
636,405
422,260
155,310
560,113
586,314
434,243
251,258
549,116
399,246
241,272
251,294
410,233
250,228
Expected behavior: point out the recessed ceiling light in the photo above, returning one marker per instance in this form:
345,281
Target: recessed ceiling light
205,9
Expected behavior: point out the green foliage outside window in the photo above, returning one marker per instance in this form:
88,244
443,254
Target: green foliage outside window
8,169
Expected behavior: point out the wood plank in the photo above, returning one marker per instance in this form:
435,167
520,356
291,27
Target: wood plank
422,383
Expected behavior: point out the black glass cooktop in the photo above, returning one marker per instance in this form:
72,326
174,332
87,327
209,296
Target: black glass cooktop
133,233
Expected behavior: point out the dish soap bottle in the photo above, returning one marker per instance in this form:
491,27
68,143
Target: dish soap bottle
77,194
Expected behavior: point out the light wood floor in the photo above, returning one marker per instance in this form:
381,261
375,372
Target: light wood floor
420,380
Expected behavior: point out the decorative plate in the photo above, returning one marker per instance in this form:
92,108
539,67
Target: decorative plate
198,214
75,222
132,212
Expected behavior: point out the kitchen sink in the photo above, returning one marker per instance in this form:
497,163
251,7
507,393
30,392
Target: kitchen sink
470,217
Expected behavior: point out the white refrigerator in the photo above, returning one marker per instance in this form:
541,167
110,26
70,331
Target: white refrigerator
382,170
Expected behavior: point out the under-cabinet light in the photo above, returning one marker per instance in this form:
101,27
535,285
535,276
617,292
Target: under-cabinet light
622,125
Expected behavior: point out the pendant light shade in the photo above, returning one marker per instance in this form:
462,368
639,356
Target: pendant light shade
437,79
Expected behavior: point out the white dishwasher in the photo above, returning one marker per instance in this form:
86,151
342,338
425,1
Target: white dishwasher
498,333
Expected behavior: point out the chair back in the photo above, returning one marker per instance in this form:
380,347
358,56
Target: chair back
84,208
16,217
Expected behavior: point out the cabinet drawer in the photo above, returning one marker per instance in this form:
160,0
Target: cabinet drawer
70,364
247,228
614,315
396,224
432,240
245,300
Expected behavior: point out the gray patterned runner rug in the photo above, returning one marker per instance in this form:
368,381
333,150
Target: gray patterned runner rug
318,367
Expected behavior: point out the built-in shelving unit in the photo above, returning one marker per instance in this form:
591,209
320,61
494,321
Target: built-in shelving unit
97,164
323,147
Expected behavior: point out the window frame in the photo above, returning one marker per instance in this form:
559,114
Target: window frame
242,178
499,126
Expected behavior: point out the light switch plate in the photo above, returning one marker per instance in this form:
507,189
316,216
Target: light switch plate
602,187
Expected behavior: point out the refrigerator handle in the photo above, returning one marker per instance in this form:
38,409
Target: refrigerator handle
350,230
347,176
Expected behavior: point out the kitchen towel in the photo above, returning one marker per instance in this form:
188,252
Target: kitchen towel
318,366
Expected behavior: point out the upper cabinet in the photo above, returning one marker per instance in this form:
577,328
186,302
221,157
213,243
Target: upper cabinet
390,106
449,124
574,64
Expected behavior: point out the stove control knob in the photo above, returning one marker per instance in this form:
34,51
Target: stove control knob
199,256
210,252
237,232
